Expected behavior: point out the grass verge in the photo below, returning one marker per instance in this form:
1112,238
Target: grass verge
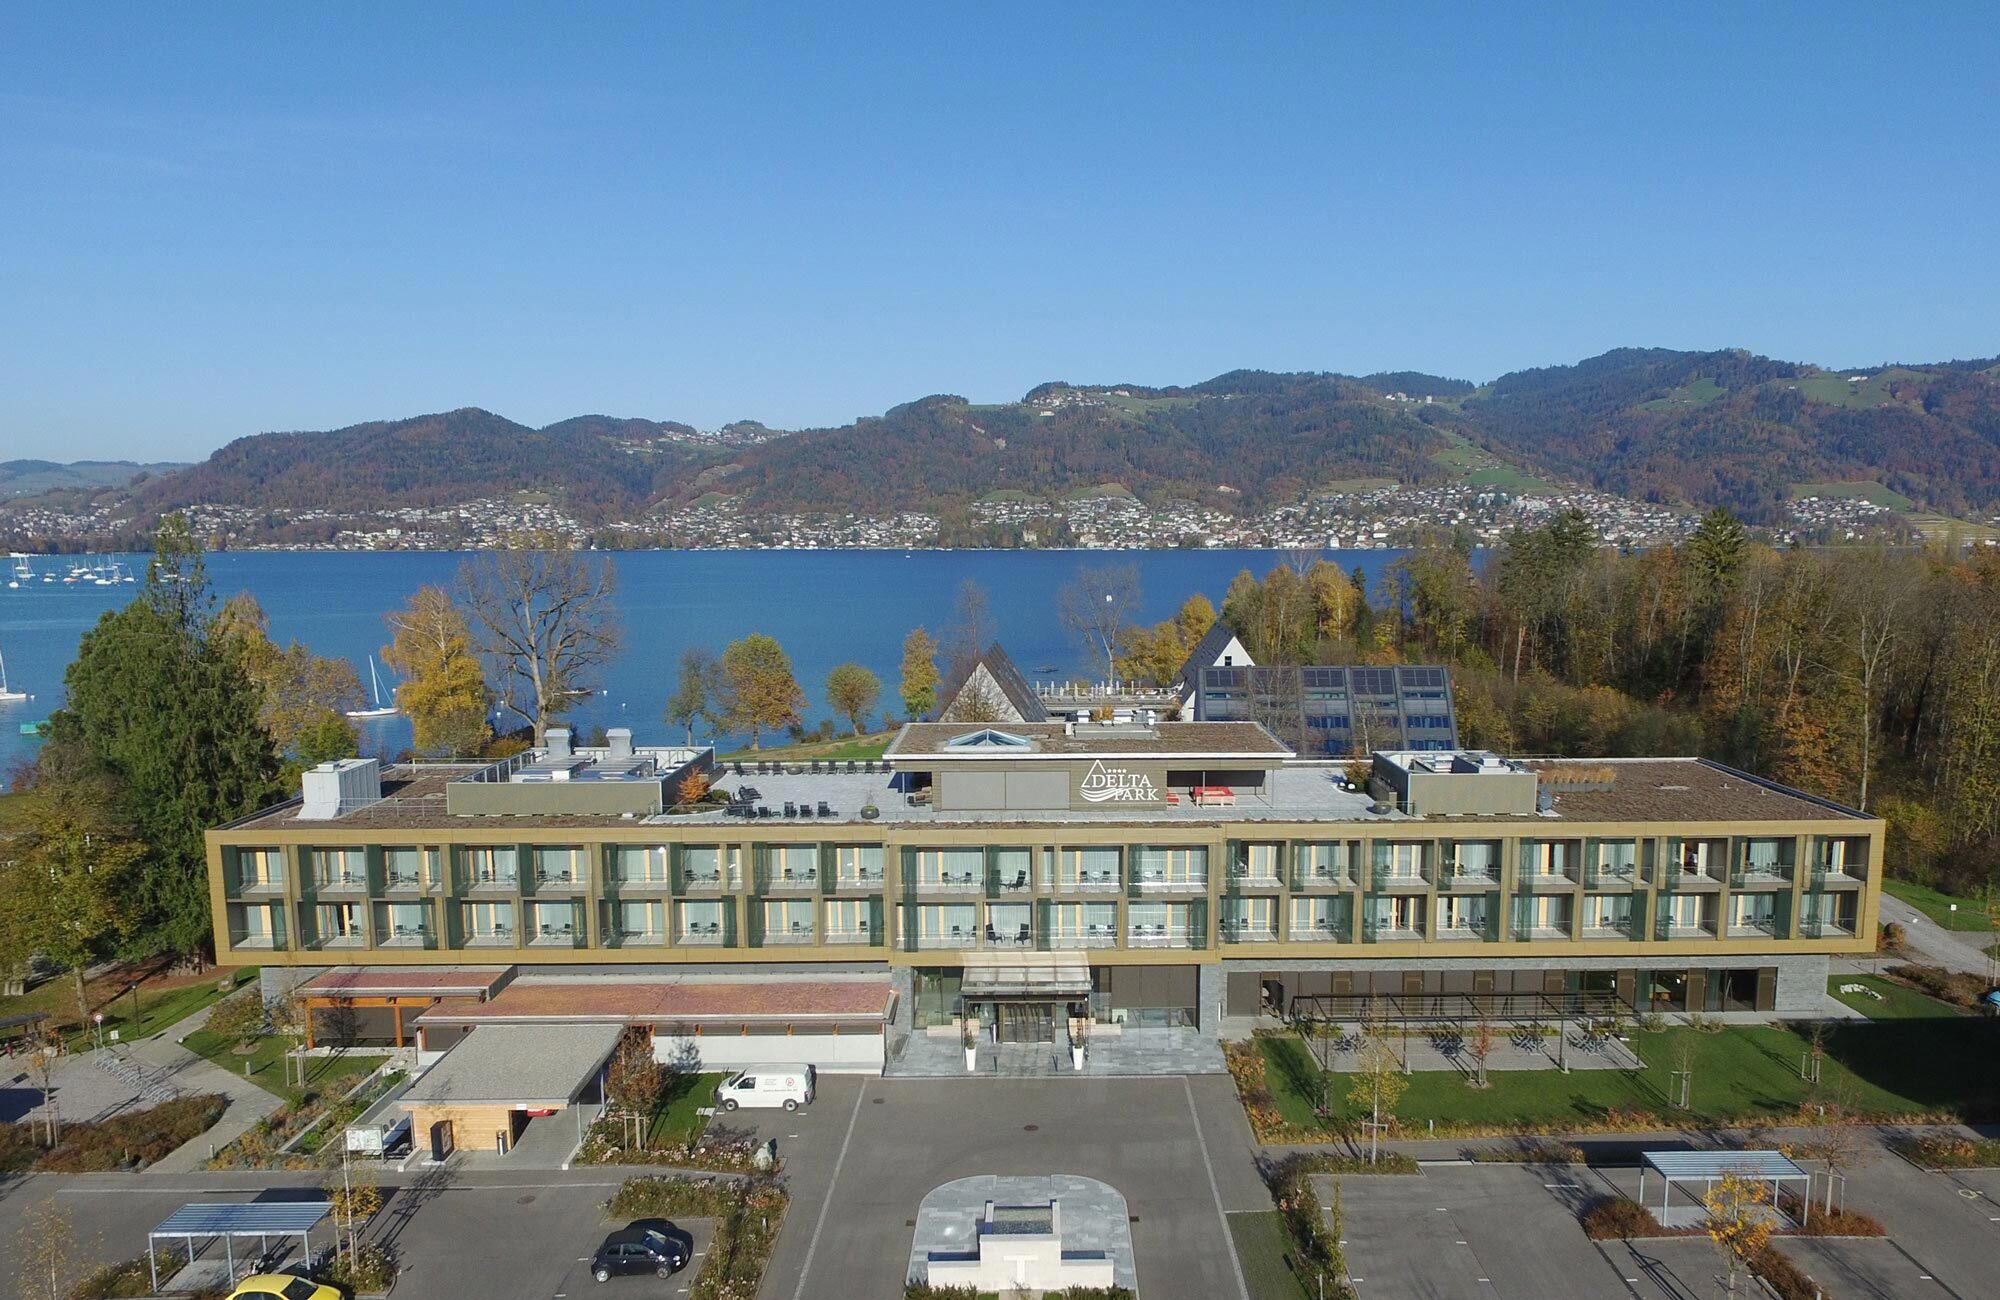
1894,1003
1261,1249
1937,905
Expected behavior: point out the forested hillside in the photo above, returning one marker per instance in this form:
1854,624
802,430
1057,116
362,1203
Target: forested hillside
1685,428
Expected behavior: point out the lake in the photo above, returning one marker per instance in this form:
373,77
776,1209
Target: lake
824,607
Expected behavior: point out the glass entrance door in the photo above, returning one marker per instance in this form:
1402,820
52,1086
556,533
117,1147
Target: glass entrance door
1026,1022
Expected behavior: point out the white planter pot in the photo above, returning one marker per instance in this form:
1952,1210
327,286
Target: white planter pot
971,1059
1076,1058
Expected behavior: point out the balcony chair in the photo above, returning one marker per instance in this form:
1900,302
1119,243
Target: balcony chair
824,811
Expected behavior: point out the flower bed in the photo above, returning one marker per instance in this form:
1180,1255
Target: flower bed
327,1118
133,1277
371,1272
1946,1151
1616,1218
718,1151
1342,1162
1818,1221
128,1141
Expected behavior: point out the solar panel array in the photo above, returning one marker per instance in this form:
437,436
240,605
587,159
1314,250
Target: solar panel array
1326,710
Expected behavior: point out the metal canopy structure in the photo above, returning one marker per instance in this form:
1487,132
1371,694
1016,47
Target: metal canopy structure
230,1220
1046,979
1400,1013
1689,1169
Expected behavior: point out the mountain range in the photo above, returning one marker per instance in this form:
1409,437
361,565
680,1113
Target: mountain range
21,478
1696,428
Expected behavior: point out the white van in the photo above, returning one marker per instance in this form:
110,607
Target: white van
790,1086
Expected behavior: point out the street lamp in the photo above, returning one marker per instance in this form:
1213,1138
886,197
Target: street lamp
97,1019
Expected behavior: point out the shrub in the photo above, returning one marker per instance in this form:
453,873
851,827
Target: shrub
125,1141
1821,1222
666,1198
371,1271
1783,1276
1892,938
238,1017
925,1291
1529,1151
1956,987
131,1278
1339,1162
1617,1217
1314,1249
1946,1151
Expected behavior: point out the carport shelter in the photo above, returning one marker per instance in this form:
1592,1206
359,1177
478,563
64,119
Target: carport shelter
1696,1172
260,1219
482,1093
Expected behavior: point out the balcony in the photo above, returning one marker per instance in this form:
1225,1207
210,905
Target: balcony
798,932
408,936
1391,933
1464,933
1008,936
791,882
641,883
1761,876
1614,876
1541,933
499,936
259,887
1158,936
1246,932
1616,928
403,882
858,879
491,882
1089,882
1839,877
1753,928
865,937
340,882
1831,927
245,941
340,941
1538,878
640,939
696,882
1320,930
558,882
699,933
556,936
950,882
1473,879
1254,878
957,938
1091,936
1322,878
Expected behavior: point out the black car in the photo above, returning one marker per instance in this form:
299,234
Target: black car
648,1246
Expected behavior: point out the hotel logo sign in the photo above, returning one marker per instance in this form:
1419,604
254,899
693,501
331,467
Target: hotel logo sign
1114,783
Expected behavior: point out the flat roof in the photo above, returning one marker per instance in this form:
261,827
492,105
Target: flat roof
618,1002
1702,1166
1656,790
1187,741
360,982
243,1218
516,1065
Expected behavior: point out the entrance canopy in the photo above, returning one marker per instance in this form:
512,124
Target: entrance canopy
260,1219
1038,975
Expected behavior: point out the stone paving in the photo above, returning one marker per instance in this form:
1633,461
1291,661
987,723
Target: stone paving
1132,1053
1094,1218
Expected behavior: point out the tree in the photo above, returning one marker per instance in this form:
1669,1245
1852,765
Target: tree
1155,655
759,692
1096,607
443,691
698,692
970,633
637,1081
65,888
47,1251
155,704
542,618
1480,1046
237,1018
852,691
1377,1083
919,684
1737,1223
305,696
355,1195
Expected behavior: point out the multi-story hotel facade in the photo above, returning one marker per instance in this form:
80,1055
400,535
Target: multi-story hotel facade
1138,873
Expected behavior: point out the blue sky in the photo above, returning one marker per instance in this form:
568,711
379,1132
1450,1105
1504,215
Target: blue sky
220,219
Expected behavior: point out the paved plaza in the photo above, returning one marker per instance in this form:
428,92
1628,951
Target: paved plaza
1132,1053
1094,1218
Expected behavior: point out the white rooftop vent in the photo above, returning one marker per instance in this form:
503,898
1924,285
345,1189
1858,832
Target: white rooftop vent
620,740
340,786
556,741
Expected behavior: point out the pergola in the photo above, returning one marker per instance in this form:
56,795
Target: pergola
1689,1169
260,1219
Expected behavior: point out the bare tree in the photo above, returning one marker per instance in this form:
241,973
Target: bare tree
543,620
1876,602
47,1251
970,633
1097,606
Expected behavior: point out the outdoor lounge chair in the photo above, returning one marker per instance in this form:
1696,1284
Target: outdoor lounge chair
824,811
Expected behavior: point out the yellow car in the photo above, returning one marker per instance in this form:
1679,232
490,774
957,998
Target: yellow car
282,1286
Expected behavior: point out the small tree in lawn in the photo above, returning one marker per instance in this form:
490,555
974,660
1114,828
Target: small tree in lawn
1831,1138
852,691
1738,1224
636,1082
1376,1085
1481,1047
1684,1052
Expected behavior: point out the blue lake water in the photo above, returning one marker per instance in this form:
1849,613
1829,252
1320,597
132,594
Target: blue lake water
824,607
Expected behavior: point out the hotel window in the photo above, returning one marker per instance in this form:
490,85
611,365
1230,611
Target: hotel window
849,920
1249,916
1260,862
1013,869
946,925
858,864
339,923
1549,858
1401,917
788,920
1401,861
1618,859
644,921
553,922
560,865
701,864
1090,868
1084,925
260,869
643,864
1826,914
1321,863
403,868
1608,912
491,866
1184,867
794,864
1476,858
1767,857
1322,919
698,922
334,868
250,926
1548,916
1753,913
950,868
489,921
1462,916
402,923
1684,912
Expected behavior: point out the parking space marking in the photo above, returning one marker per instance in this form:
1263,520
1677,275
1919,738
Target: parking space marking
1235,1264
812,1243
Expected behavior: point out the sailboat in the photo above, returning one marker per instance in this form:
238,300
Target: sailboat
380,710
7,694
23,571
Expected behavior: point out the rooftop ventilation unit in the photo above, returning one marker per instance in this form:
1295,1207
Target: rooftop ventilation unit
556,742
620,740
340,786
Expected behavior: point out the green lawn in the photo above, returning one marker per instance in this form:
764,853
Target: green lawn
1971,913
676,1122
1699,392
866,745
1865,491
1897,1002
1894,1066
267,1069
134,1016
1261,1246
1479,468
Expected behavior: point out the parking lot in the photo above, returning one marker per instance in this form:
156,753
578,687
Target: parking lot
861,1159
